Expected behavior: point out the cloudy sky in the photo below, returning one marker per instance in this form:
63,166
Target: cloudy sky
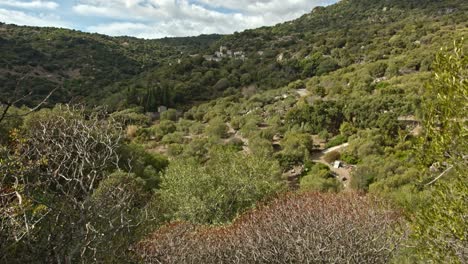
155,18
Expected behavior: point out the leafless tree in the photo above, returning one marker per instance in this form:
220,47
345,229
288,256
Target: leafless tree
307,228
56,193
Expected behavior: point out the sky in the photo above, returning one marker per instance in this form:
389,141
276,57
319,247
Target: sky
155,18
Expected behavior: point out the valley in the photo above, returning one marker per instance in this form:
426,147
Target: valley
336,137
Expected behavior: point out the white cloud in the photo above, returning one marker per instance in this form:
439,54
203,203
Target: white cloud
125,28
25,19
159,18
37,4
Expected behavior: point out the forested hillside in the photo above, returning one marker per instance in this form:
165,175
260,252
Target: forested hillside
79,63
121,72
339,137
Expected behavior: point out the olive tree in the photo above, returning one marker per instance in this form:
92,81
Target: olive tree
229,183
440,230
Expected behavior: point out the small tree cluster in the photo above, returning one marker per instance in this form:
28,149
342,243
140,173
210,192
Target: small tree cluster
228,184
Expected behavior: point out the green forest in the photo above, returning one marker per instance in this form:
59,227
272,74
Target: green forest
338,137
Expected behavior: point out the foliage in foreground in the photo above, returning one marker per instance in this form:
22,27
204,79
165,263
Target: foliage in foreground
441,230
62,196
227,185
306,228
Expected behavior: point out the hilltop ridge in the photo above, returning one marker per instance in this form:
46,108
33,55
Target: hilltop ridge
125,71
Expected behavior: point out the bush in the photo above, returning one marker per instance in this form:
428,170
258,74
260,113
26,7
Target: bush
363,176
165,127
228,184
132,116
235,143
196,128
261,147
176,137
8,124
306,228
158,131
349,158
175,149
65,158
320,179
330,157
377,70
170,114
320,184
217,128
299,84
197,149
336,141
132,131
145,165
296,149
326,66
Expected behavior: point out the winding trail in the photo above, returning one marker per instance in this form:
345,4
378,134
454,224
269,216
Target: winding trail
343,174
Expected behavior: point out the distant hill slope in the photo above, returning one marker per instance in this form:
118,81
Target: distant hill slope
127,71
79,62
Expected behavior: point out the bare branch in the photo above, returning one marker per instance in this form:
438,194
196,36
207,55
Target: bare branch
9,103
440,176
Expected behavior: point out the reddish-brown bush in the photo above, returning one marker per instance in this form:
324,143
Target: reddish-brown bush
297,228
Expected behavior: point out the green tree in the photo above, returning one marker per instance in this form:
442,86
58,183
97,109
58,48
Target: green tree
440,230
227,185
319,178
170,114
217,128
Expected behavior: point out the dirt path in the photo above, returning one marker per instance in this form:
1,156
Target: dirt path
343,174
302,92
342,146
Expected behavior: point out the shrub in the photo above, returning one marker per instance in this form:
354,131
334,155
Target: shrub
170,114
196,128
299,84
183,125
8,124
320,179
336,141
74,210
261,147
228,184
296,149
175,149
197,148
320,184
217,128
331,156
326,66
165,127
305,228
132,131
145,165
377,70
176,137
349,158
132,116
235,143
